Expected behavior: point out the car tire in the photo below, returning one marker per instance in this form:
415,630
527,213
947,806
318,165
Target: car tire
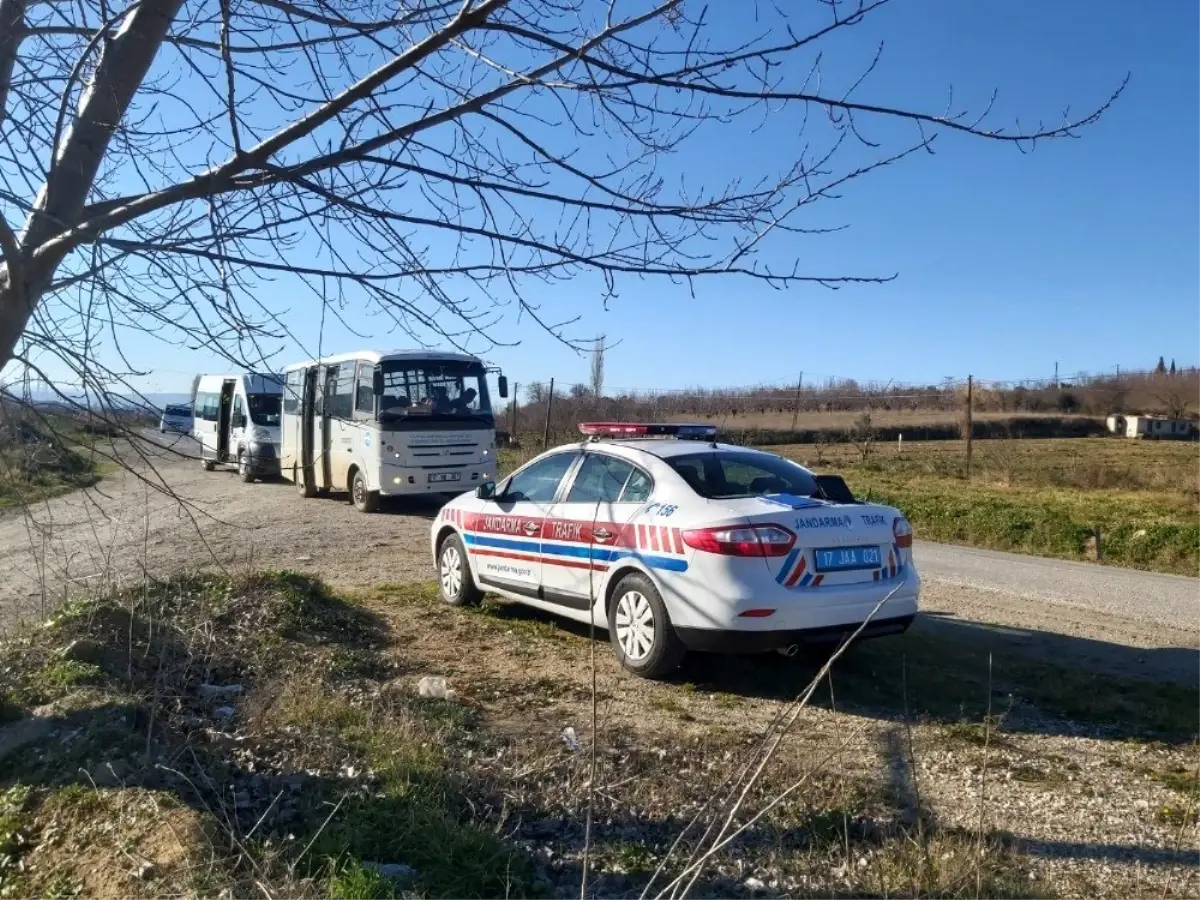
208,465
306,490
364,500
637,617
245,472
455,584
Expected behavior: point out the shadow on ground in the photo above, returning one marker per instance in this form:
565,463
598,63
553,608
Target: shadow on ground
952,670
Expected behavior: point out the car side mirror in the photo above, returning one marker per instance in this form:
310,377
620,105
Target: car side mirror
502,384
486,491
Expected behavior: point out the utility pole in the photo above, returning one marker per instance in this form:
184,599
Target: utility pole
796,406
1056,376
512,426
549,406
970,423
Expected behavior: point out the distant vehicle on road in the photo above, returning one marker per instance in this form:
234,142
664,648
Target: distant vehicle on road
385,423
675,545
236,420
176,418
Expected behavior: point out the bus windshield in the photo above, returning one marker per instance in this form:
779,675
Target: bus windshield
264,409
434,389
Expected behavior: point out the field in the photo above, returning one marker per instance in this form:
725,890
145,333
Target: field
1044,497
40,459
264,735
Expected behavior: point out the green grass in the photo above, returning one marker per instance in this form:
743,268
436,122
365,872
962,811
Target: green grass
1042,497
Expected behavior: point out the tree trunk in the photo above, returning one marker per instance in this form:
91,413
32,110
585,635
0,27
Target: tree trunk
104,102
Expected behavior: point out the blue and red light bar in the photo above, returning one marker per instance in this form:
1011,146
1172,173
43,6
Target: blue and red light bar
647,429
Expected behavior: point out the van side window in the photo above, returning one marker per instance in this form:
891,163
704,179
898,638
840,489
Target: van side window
237,405
206,407
364,393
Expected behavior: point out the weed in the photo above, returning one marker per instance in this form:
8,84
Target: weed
1184,781
15,840
633,857
356,882
1034,775
69,673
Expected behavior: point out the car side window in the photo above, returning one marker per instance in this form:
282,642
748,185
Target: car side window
600,479
539,482
637,488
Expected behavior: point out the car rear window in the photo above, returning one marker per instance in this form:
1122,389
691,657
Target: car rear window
731,474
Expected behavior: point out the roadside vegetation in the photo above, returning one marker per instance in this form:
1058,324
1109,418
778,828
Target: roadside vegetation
42,457
264,736
1043,497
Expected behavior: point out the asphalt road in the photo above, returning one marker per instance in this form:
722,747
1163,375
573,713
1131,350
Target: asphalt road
1170,600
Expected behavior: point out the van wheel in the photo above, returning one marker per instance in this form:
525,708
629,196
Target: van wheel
363,500
208,465
244,471
307,491
455,584
640,629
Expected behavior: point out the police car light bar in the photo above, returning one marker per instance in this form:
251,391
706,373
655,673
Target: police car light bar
646,429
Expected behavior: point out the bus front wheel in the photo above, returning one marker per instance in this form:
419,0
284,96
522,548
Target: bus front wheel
363,499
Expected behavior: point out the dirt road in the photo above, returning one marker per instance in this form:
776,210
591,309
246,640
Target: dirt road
169,515
132,523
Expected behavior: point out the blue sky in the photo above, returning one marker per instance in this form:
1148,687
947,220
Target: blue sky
1083,252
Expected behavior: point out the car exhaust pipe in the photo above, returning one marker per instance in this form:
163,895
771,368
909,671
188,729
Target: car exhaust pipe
789,651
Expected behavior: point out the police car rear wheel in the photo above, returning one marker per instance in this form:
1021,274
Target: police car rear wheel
640,629
455,583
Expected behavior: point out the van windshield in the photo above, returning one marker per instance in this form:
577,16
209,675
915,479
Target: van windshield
178,411
435,390
264,408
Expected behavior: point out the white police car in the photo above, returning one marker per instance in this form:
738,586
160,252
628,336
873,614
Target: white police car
677,544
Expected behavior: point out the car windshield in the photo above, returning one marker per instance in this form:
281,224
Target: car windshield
733,474
264,408
434,390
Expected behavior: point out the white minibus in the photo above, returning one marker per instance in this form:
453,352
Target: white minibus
236,421
385,423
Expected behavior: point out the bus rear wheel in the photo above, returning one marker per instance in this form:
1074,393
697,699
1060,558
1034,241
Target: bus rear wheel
363,499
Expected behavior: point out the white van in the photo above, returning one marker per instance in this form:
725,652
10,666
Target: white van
236,421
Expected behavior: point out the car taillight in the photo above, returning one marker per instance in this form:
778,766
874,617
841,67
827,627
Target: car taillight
902,532
743,540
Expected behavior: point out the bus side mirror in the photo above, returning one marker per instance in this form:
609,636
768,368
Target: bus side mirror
377,382
486,491
502,383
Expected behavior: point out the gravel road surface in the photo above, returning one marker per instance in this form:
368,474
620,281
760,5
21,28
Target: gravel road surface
1170,600
168,515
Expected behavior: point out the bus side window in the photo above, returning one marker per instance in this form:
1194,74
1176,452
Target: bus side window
292,392
364,392
341,401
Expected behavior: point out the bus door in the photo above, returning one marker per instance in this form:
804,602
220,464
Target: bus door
325,427
223,419
308,404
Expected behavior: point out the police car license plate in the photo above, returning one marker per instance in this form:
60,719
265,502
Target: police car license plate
844,559
443,476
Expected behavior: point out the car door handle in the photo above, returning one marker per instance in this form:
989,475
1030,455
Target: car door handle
602,534
532,528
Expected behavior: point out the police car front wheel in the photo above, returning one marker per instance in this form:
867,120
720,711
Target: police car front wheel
640,629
